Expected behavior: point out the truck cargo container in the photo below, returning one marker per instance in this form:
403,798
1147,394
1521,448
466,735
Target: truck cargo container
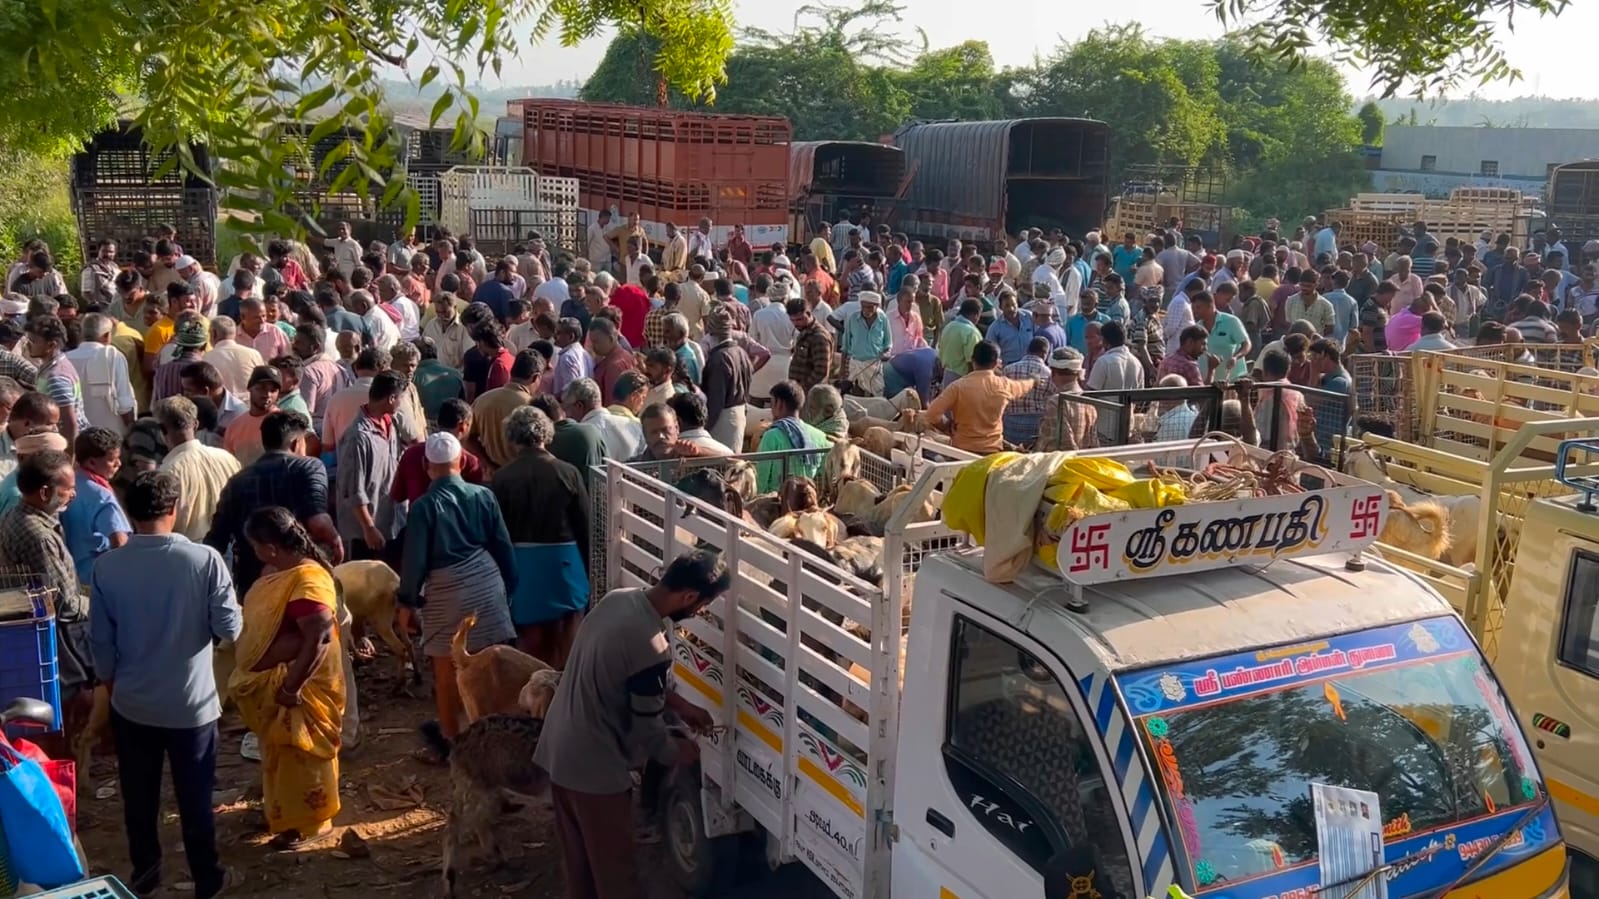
1573,203
666,165
982,181
826,178
116,196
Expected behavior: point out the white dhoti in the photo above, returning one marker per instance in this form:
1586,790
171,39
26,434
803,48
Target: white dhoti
775,370
728,428
867,375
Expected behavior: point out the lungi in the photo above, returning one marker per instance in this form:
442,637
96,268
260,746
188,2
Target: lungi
728,428
551,583
867,375
472,586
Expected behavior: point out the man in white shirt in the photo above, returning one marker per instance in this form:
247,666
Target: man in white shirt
599,246
572,362
1433,339
1048,276
1116,368
390,294
400,252
1179,315
103,376
635,261
346,250
623,436
700,245
233,360
385,330
207,287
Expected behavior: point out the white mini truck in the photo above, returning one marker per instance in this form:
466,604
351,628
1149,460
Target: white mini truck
1231,655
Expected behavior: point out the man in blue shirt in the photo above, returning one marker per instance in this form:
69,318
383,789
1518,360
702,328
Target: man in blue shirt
156,605
1125,258
867,342
93,522
1012,331
1077,325
496,292
1346,312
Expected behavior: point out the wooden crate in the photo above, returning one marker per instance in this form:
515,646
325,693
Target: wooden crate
1360,227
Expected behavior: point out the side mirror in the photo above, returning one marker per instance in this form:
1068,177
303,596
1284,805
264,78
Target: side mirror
28,709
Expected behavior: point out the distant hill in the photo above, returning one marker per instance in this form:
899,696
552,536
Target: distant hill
406,99
1521,112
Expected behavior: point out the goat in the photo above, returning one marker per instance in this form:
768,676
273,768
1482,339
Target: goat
1463,511
879,407
369,588
878,441
490,681
842,462
492,765
536,697
860,501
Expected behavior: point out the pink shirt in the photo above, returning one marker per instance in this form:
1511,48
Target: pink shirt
1403,330
905,332
270,343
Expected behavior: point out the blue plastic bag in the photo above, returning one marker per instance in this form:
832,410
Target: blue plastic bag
38,839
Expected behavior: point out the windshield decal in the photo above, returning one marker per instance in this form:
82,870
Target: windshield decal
1402,690
1188,684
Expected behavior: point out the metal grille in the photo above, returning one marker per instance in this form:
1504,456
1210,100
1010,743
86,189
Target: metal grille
881,473
1385,392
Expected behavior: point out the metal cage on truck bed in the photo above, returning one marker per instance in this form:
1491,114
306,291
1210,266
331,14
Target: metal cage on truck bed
116,196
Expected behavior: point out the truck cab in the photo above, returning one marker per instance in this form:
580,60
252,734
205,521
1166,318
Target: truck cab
1004,746
1549,663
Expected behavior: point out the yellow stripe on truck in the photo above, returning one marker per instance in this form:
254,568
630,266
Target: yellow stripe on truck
1560,791
694,680
814,772
947,893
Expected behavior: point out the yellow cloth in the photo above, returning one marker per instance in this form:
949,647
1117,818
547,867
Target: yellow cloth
299,745
1011,506
963,504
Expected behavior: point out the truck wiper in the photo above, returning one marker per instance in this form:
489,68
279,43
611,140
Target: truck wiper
1501,843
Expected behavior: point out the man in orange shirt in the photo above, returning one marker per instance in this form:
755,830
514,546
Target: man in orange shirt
977,402
814,272
243,435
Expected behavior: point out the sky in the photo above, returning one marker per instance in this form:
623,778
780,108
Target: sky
1553,55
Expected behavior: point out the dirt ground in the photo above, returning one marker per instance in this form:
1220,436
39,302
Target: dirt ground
386,839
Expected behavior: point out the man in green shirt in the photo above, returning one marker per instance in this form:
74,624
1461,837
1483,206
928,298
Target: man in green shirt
575,443
959,338
789,432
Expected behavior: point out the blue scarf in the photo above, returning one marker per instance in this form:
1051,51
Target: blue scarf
798,437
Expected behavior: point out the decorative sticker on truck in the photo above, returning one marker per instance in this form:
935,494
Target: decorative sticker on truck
1204,536
830,839
1232,743
1192,683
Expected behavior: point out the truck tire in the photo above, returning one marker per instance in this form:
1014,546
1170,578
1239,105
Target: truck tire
702,866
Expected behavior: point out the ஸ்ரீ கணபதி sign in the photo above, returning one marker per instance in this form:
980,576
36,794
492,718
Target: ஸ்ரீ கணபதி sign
1143,543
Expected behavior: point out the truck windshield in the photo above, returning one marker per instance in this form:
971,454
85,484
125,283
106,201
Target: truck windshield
1409,713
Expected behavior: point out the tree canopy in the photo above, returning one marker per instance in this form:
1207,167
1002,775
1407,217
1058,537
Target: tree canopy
259,82
1276,136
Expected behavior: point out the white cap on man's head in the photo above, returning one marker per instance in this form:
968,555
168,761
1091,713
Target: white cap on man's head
869,298
442,448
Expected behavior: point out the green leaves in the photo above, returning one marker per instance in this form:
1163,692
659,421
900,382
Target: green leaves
261,85
1425,46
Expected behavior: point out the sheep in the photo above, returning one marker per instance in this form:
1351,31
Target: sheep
492,766
878,441
1420,528
1463,511
815,525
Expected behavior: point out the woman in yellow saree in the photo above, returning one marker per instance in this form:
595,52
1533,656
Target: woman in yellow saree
289,683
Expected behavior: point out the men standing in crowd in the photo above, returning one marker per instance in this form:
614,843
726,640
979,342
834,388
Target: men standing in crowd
547,512
457,564
201,471
368,455
608,714
157,604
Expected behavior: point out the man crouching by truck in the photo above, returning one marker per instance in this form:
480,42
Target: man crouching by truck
611,708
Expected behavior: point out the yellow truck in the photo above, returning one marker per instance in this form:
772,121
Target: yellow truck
1512,453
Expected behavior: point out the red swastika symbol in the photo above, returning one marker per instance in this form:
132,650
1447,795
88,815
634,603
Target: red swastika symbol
1089,547
1366,513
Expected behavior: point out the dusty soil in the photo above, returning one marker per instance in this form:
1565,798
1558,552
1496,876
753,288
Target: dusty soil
386,839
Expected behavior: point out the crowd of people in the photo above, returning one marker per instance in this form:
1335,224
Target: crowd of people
186,455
